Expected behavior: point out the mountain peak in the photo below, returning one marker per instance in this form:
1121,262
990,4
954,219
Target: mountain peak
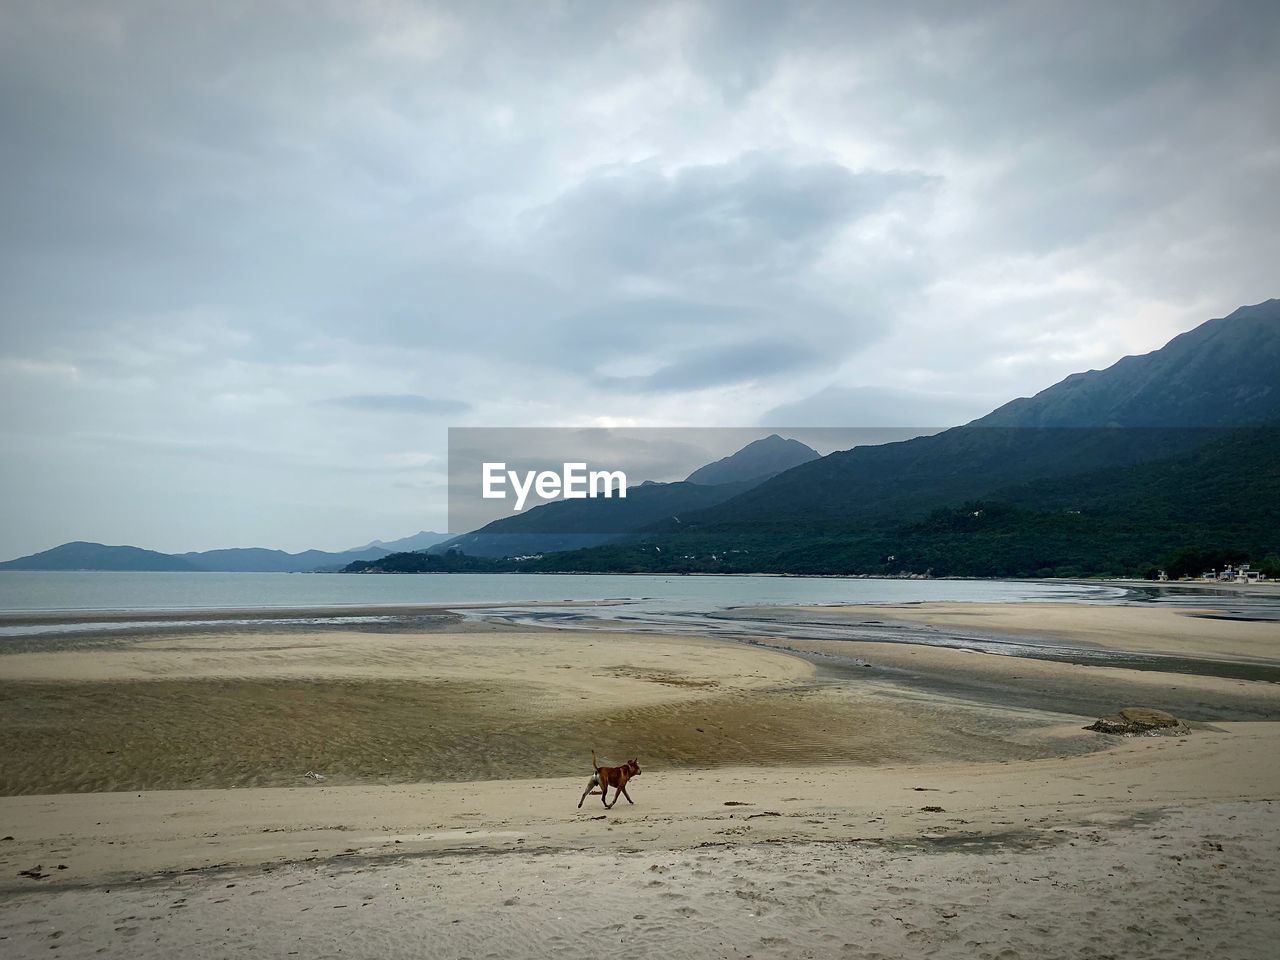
87,555
758,460
418,541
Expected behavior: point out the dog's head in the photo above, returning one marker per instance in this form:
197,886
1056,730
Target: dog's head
633,768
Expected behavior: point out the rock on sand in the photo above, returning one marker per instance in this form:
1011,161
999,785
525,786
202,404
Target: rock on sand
1141,722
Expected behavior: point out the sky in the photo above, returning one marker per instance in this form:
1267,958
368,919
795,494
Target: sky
257,257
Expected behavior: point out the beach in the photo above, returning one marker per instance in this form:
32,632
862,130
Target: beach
798,798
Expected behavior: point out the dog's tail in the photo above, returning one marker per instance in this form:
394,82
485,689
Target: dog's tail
593,761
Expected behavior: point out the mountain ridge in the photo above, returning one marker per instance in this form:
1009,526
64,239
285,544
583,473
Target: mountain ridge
1085,421
757,461
1168,387
89,555
1183,513
1102,473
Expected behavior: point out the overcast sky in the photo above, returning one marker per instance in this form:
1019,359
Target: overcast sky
257,257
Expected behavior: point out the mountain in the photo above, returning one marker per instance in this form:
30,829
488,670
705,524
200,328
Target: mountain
757,461
1172,454
419,541
262,560
95,556
575,524
1218,503
1197,510
82,555
1220,375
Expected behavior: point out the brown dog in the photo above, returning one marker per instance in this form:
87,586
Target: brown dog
606,777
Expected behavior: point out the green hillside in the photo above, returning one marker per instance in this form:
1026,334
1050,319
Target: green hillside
1217,503
1222,375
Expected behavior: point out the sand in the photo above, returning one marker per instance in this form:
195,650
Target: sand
782,811
1180,885
1147,849
194,711
1186,632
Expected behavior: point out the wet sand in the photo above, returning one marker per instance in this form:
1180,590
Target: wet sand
1169,631
245,710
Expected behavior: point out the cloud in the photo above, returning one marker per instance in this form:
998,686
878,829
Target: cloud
835,406
758,215
262,226
399,403
695,269
714,367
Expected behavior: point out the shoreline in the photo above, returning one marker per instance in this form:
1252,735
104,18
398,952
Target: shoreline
318,613
16,617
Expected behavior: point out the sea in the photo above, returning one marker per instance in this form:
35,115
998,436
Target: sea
80,592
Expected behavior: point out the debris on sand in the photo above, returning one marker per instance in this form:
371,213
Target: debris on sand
1140,722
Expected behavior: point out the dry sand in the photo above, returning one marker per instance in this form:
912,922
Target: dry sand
779,814
1189,883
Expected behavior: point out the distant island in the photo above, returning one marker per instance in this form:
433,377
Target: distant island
84,555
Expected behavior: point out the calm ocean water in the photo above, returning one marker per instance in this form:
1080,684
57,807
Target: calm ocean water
84,591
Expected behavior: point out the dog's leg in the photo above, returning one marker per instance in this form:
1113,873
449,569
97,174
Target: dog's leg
604,794
591,785
623,788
